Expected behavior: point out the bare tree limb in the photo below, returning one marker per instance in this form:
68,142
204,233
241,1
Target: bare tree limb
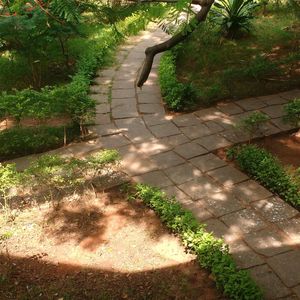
173,41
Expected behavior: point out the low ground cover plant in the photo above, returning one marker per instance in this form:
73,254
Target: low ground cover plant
212,253
261,63
253,123
265,168
178,96
54,175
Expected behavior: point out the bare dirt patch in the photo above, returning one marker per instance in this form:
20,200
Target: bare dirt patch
97,246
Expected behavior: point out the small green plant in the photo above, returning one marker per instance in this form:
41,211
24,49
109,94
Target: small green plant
253,123
212,253
178,96
265,168
234,16
292,112
9,178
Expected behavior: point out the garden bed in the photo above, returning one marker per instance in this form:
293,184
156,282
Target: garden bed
262,63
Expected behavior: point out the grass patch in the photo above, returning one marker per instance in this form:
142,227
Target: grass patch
265,168
212,253
263,63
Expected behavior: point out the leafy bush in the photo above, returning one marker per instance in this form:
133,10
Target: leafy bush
20,141
253,123
178,96
292,112
234,16
265,168
212,253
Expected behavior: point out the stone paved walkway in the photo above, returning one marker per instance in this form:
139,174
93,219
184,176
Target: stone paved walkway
175,153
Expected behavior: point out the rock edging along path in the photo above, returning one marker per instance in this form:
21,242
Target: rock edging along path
175,154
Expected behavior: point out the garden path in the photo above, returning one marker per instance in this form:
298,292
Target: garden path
177,154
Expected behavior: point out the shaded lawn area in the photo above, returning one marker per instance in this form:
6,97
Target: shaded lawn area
96,246
266,62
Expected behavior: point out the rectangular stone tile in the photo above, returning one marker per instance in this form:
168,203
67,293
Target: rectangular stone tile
281,125
99,89
101,119
290,95
291,228
229,108
209,114
236,136
213,142
123,84
267,242
199,212
151,108
251,104
216,227
274,111
155,178
124,93
222,203
127,110
208,162
182,173
99,98
136,164
244,256
107,129
213,127
200,187
190,150
275,209
244,221
272,99
167,159
180,196
102,108
250,191
164,130
186,120
175,140
149,98
134,129
114,141
287,266
155,119
195,131
297,291
228,175
270,284
153,147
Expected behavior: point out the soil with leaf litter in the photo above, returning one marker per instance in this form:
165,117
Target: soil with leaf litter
96,246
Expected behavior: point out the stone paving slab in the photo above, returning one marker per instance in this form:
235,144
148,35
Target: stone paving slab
190,150
208,162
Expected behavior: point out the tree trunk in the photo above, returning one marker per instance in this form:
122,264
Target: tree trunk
173,41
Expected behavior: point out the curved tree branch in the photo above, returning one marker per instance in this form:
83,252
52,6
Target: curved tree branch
173,41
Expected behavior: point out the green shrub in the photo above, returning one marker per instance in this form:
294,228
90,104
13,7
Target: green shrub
252,124
265,168
212,253
178,96
234,16
292,112
20,141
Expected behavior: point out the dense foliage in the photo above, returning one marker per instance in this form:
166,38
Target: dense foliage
234,16
212,253
265,168
178,96
20,141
